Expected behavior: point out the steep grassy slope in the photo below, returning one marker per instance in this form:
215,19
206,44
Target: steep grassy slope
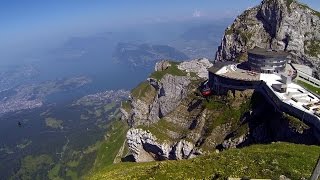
109,149
257,161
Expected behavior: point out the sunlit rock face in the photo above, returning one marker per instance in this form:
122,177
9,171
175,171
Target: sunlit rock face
198,66
145,147
275,24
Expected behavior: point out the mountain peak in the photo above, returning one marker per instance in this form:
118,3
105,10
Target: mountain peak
278,24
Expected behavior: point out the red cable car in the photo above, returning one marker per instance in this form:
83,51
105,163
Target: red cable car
206,90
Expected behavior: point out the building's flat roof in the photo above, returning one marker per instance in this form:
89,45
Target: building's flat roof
295,95
268,52
233,72
217,65
303,68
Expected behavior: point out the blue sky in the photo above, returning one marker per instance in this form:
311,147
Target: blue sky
23,22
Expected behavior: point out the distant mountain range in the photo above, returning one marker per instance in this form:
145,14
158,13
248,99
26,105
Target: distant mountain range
139,55
201,41
206,32
145,45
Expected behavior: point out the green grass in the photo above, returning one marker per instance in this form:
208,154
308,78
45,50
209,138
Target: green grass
246,36
227,113
72,175
212,104
53,174
73,163
109,106
288,5
241,130
53,123
257,161
34,167
317,13
312,48
230,30
126,105
295,122
242,57
159,129
141,90
173,70
309,87
231,114
223,112
109,148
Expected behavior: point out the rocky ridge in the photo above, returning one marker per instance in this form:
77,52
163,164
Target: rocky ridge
278,24
145,147
164,96
167,92
167,95
169,120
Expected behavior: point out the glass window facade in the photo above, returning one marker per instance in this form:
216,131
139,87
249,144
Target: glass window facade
266,64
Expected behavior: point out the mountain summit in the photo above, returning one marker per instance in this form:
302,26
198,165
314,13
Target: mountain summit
278,24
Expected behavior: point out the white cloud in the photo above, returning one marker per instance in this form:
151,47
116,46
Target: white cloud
196,13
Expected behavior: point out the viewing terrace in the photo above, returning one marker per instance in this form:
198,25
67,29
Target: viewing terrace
295,95
232,71
279,89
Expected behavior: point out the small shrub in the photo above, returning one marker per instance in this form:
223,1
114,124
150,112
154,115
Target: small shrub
173,70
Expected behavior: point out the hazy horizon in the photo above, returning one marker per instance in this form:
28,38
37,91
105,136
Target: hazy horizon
30,27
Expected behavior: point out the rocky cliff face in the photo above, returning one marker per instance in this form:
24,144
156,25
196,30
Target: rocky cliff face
170,120
278,24
161,96
198,66
145,147
169,91
156,99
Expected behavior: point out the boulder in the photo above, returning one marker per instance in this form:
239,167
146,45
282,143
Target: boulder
145,147
198,66
162,65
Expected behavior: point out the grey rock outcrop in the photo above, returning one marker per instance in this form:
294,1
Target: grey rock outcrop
183,150
233,143
283,177
198,66
140,111
169,93
125,114
145,147
162,65
172,89
276,24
